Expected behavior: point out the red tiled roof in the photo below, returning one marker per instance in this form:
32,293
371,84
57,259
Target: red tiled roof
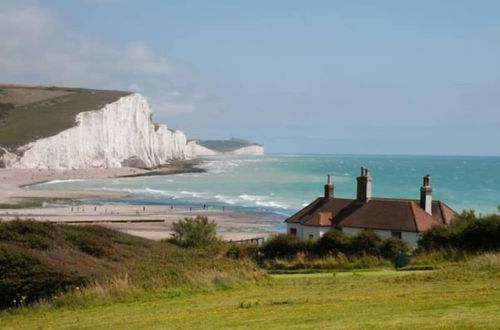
377,213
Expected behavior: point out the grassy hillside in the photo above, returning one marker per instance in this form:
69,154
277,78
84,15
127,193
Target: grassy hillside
225,145
38,260
463,296
28,113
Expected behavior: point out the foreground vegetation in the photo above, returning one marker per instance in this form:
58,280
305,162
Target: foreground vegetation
38,260
466,295
92,277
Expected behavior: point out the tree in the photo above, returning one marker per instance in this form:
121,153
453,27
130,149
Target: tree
194,232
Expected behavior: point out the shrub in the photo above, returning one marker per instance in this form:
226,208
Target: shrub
332,241
285,246
25,278
391,246
436,238
467,232
194,232
30,234
364,242
481,234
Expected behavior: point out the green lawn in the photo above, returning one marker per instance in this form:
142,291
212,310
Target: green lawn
381,299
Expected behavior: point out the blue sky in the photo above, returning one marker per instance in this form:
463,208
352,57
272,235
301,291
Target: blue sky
383,77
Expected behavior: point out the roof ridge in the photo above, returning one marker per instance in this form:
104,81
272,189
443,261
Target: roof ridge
412,205
443,215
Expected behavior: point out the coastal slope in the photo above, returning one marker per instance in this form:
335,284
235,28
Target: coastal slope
114,131
229,147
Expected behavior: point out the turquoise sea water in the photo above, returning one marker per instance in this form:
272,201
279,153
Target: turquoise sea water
282,184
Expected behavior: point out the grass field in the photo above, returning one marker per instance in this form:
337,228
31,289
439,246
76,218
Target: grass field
377,299
31,113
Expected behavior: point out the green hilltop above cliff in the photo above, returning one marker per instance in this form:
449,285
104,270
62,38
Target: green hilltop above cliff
226,145
28,113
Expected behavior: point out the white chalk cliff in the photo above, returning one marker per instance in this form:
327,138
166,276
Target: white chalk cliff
200,150
119,134
251,150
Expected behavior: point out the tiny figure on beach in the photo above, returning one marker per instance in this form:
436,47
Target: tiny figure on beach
143,209
190,209
223,208
95,208
204,206
171,207
72,209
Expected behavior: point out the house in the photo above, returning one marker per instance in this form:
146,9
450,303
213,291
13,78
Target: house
402,218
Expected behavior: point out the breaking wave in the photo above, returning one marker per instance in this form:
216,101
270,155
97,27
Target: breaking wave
268,203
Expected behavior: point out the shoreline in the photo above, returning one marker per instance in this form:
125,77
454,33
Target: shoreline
13,182
148,221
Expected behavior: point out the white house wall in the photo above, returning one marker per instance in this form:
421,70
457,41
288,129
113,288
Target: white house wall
316,232
297,226
313,232
307,231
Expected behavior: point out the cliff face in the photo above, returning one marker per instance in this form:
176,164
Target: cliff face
119,134
200,150
232,146
251,150
256,150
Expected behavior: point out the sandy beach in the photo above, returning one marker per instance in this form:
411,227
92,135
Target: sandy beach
148,221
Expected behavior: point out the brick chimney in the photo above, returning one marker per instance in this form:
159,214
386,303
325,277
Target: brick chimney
426,194
364,192
329,188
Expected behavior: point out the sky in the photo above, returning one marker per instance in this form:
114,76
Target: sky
334,77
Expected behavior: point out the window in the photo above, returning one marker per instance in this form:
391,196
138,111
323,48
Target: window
311,236
293,231
396,234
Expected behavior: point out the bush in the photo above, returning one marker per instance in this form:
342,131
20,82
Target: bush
482,234
467,232
282,246
333,241
364,242
97,246
194,232
25,278
30,234
391,246
436,238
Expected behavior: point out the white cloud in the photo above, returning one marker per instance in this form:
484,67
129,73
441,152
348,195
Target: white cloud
36,47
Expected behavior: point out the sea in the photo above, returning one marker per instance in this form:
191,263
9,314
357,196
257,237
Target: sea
281,184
